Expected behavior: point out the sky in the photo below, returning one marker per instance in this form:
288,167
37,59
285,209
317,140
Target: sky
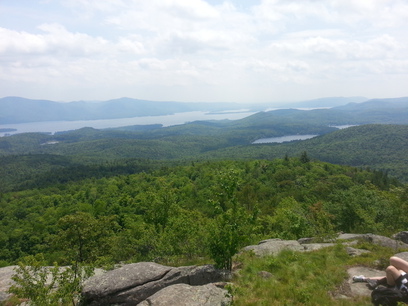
258,51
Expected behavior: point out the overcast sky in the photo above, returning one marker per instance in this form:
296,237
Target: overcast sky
196,50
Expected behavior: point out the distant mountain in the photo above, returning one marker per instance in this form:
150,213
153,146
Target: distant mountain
383,104
19,110
384,111
325,102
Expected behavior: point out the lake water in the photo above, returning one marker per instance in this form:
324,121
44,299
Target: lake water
175,119
283,139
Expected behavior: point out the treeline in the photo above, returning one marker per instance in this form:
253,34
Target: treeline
203,209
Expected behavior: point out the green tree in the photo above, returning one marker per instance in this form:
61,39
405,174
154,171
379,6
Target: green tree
304,158
232,225
84,238
290,220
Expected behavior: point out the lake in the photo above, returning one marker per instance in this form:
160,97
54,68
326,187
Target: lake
283,139
168,120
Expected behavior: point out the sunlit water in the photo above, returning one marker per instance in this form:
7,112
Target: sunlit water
283,139
168,120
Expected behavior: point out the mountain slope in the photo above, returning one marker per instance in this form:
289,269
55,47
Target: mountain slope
386,111
18,110
381,147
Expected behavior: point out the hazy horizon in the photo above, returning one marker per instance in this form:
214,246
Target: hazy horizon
278,103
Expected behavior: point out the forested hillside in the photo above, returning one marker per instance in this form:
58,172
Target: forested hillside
381,147
182,211
37,160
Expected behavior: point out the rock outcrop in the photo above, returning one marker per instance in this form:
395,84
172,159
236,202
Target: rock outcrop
186,295
134,283
274,246
6,282
152,284
376,239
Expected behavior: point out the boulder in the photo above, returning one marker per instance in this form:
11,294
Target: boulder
273,247
386,242
351,236
376,239
133,283
186,295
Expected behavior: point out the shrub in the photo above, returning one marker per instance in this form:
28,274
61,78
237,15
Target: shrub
48,286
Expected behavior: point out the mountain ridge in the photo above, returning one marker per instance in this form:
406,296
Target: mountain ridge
15,109
22,110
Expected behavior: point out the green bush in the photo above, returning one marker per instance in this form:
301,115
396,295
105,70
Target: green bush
48,286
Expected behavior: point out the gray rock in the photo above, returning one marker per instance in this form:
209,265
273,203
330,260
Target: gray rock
273,247
133,283
361,289
351,236
403,255
128,276
355,252
6,282
386,242
316,246
305,240
402,236
186,295
376,239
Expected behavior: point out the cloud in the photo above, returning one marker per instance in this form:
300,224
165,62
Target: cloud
55,39
271,46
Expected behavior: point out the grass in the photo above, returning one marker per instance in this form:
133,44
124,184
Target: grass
301,278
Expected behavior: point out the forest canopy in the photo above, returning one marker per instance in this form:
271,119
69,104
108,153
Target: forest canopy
177,211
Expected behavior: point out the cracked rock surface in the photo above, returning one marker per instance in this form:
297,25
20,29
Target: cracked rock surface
134,283
186,295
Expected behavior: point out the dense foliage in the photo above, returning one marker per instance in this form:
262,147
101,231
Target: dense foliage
185,211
